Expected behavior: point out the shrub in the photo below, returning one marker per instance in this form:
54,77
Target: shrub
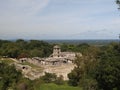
49,77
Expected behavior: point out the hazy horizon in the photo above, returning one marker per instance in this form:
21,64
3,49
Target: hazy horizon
14,39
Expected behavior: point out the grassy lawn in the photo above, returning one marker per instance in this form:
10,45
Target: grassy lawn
52,86
30,64
6,60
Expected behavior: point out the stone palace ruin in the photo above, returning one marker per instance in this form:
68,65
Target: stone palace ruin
60,63
56,58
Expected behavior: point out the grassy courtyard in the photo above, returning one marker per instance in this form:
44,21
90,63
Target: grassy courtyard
52,86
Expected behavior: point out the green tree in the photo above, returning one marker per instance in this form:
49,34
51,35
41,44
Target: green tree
49,77
77,73
85,66
59,80
108,71
36,53
9,76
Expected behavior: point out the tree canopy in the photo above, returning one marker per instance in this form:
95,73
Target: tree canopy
99,68
20,48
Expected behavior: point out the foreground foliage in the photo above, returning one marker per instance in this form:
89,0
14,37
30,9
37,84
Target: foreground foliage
9,76
98,69
108,71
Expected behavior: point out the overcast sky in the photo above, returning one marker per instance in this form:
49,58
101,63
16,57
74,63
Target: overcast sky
59,19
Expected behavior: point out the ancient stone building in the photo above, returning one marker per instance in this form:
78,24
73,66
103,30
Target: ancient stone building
63,55
56,58
60,63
